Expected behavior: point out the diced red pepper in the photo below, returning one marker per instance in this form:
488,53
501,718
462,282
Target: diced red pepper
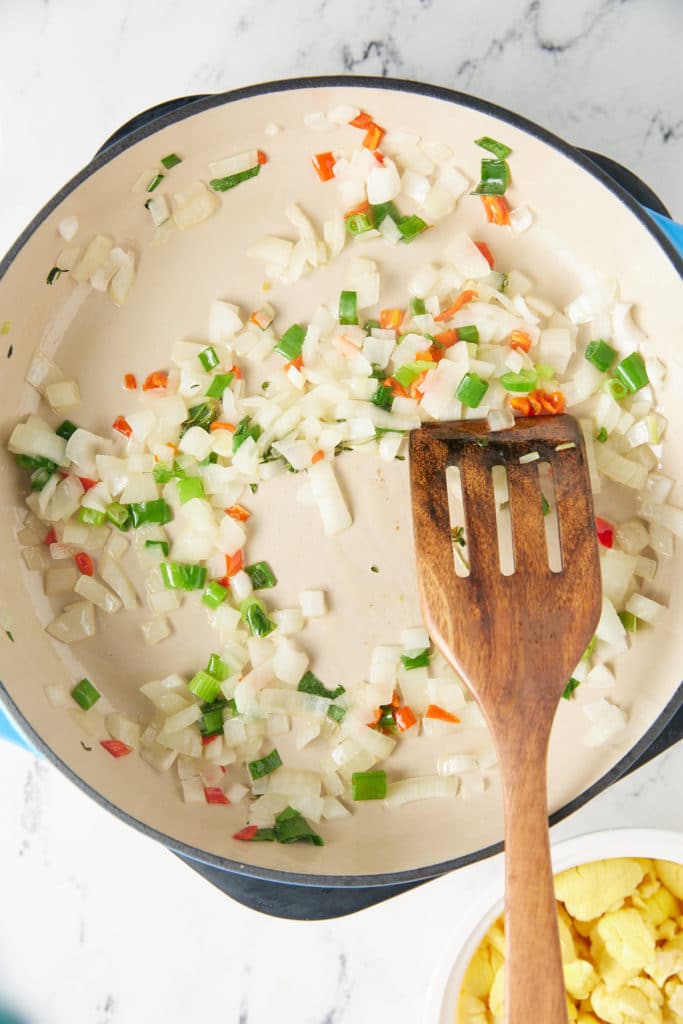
209,739
130,382
215,795
404,718
434,711
123,426
605,532
156,381
463,298
373,137
238,512
379,157
323,164
233,563
116,748
50,536
224,582
447,338
520,340
486,252
361,120
87,483
84,563
246,833
497,209
262,158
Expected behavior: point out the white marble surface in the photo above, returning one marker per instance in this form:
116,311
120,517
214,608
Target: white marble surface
97,924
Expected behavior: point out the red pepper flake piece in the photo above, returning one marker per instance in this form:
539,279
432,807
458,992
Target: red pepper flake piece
50,536
361,120
497,209
123,426
247,833
87,483
317,456
84,563
323,164
156,381
447,338
215,795
434,711
379,157
233,563
238,512
261,156
209,739
462,299
116,748
373,137
486,252
605,532
130,382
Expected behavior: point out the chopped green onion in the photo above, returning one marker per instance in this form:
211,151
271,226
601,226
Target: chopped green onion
55,274
265,765
522,382
211,722
182,576
119,515
214,595
223,184
544,372
471,390
409,372
85,694
309,683
358,224
261,575
499,149
161,545
383,397
35,462
570,687
263,835
171,160
417,306
370,785
65,429
632,373
218,385
348,308
155,182
204,685
336,713
208,358
189,488
291,827
469,333
600,354
199,416
628,621
420,660
411,227
39,477
589,650
380,211
371,325
291,342
387,722
219,669
602,435
163,472
617,390
495,178
157,511
253,613
545,505
243,430
210,460
91,516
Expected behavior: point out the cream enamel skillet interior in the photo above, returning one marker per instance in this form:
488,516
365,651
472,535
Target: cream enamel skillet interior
581,223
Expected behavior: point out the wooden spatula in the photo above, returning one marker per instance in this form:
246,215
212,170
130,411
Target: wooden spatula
515,640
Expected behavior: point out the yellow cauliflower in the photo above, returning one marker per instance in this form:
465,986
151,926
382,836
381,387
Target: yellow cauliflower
472,1011
673,990
592,889
658,907
625,1006
627,938
580,978
497,994
482,970
672,876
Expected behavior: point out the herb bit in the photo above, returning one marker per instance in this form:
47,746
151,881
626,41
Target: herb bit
373,568
55,274
458,538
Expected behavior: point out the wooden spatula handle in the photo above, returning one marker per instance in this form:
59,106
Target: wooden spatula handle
535,990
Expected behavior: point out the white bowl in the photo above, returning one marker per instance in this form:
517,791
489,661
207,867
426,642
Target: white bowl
442,997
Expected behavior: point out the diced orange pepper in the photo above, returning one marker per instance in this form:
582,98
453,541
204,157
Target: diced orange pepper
447,338
521,404
391,319
415,390
296,363
425,357
317,456
262,158
497,209
461,300
486,252
404,718
535,403
373,137
552,402
520,340
437,353
173,447
123,426
361,120
156,380
434,711
233,563
397,389
129,382
378,715
379,157
361,208
220,425
395,700
238,512
235,370
324,165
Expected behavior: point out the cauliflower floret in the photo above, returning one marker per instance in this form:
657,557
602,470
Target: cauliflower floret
471,1010
482,970
567,947
580,979
592,889
657,907
673,990
628,939
671,875
668,961
625,1006
497,994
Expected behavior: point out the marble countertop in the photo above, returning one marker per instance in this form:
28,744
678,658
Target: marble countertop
100,925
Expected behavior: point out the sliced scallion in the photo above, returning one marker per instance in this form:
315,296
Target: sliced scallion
158,545
214,595
570,687
224,184
411,227
265,765
199,416
65,429
471,390
309,683
495,178
499,149
155,182
85,694
204,686
91,516
218,385
254,615
261,575
182,575
208,358
383,397
172,160
291,342
348,311
420,660
600,354
189,488
520,383
244,429
119,515
291,827
370,785
631,373
218,668
358,224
